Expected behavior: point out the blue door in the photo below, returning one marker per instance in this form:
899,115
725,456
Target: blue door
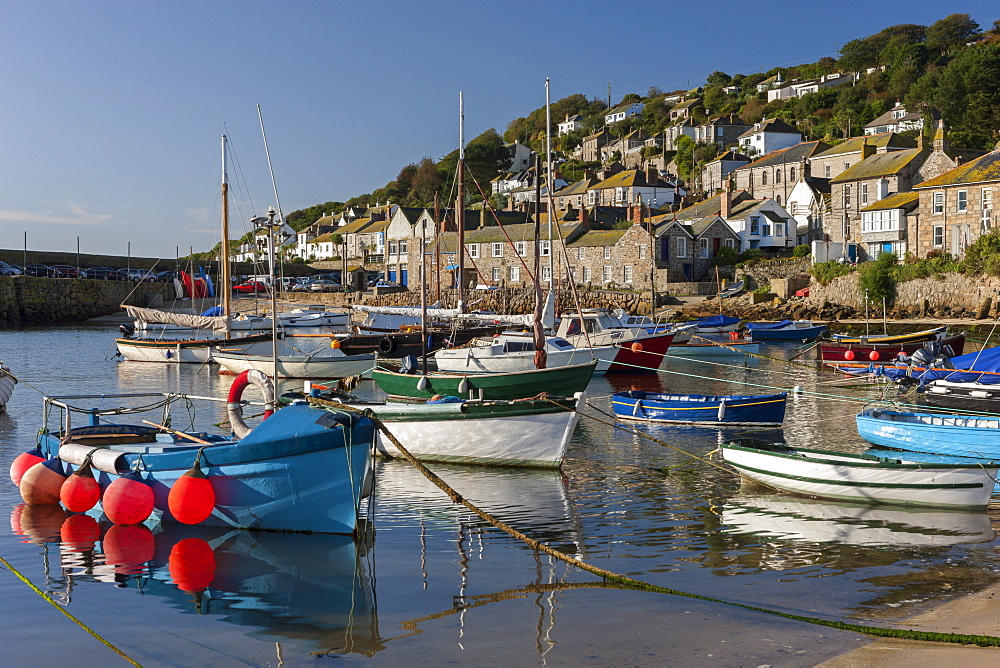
402,277
392,275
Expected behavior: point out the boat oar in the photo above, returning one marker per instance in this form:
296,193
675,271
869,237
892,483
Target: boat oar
178,433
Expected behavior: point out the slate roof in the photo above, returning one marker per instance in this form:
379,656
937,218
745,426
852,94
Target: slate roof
881,164
621,108
771,125
983,169
448,241
887,118
730,156
907,200
355,226
629,178
411,213
787,156
711,206
595,238
854,144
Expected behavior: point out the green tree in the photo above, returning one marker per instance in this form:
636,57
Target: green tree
969,98
718,78
951,31
427,180
875,281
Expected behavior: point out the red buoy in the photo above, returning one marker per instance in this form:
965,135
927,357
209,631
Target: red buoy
128,548
81,491
41,483
192,498
128,499
848,355
192,565
23,462
79,533
636,347
873,355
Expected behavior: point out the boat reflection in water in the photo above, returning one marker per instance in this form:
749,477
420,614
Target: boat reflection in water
281,586
800,519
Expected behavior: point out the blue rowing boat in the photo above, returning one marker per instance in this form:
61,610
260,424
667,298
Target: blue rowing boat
786,330
304,468
766,409
935,433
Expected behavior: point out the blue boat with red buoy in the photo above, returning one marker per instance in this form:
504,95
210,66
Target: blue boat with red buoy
304,468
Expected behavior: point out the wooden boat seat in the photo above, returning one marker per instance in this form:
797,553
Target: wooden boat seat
101,440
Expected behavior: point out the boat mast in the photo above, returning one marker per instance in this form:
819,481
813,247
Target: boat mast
460,203
537,327
224,280
548,170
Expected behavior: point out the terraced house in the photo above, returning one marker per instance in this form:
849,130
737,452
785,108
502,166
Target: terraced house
957,207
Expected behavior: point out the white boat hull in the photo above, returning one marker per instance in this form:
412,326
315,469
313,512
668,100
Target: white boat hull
851,478
176,353
480,359
537,440
306,319
299,366
7,383
699,351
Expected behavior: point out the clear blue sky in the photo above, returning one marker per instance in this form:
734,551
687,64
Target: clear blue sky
111,111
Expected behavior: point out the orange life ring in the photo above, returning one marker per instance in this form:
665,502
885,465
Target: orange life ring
235,404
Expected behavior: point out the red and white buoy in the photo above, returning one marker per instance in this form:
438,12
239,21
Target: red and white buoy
128,499
41,483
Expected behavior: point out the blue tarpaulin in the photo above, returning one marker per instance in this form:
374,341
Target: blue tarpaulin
716,321
768,325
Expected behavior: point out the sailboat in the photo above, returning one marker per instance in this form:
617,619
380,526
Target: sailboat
195,350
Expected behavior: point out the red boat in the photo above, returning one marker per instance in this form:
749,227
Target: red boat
643,356
881,353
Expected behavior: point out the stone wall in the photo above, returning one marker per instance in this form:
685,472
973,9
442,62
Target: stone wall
26,301
953,294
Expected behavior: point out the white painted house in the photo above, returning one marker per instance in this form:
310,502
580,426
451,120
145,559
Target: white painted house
572,123
769,135
623,111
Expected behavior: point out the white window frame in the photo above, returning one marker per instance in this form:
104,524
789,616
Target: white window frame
607,252
937,203
402,246
514,274
606,273
545,247
393,248
546,274
496,249
642,251
496,275
627,274
864,194
962,201
521,247
473,250
702,249
587,274
937,236
729,243
682,247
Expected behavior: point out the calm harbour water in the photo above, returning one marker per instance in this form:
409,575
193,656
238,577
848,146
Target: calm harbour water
434,584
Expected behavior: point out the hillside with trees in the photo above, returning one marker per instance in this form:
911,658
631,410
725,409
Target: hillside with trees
949,69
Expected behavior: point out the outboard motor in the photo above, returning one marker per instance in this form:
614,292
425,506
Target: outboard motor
408,364
127,329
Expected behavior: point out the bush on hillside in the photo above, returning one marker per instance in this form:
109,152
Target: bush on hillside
875,279
824,272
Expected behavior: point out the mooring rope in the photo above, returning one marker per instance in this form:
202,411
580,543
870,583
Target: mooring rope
66,612
931,636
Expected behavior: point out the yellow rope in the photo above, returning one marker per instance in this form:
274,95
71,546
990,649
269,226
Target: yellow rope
67,612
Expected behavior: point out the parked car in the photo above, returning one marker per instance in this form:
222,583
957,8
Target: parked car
67,271
164,276
9,269
302,285
324,285
39,270
134,275
250,286
101,273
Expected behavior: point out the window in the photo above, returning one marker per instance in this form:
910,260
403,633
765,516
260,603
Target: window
473,250
607,252
826,171
702,248
392,248
521,247
938,235
586,274
763,178
754,225
777,176
791,174
847,197
779,229
682,249
642,251
496,274
963,201
497,249
938,203
755,244
628,274
619,195
847,166
402,247
729,243
546,274
864,194
591,197
606,274
579,253
545,247
515,274
765,229
987,198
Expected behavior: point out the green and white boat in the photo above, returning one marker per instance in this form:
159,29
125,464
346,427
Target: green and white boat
533,432
559,381
866,478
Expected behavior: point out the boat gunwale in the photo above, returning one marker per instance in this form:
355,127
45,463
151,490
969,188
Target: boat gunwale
867,461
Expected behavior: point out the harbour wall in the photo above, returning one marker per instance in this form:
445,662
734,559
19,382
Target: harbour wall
952,295
27,301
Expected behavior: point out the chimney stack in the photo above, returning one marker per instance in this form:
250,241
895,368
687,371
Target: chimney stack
637,214
725,202
867,150
940,142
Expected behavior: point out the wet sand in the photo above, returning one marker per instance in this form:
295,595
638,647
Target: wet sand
978,614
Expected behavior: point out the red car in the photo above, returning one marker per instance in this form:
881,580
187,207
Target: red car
250,286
